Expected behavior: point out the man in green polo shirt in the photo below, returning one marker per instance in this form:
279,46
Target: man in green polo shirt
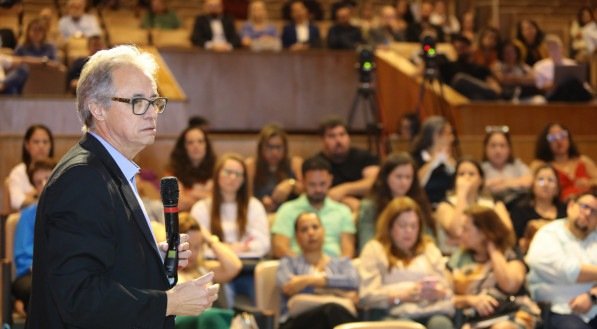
336,218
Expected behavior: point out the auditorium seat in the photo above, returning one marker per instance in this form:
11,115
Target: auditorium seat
75,48
171,38
122,35
45,80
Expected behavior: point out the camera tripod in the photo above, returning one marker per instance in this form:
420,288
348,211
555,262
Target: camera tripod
431,76
365,99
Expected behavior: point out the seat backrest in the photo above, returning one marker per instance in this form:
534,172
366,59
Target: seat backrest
11,226
6,207
171,38
45,80
267,294
393,324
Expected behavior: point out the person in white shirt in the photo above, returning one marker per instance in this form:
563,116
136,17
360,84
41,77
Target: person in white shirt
38,144
235,217
563,265
77,23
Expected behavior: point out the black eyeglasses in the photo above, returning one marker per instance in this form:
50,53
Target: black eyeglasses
140,105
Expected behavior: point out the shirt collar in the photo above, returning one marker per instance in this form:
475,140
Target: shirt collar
128,167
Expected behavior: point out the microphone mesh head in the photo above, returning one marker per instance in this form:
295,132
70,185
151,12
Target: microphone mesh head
169,191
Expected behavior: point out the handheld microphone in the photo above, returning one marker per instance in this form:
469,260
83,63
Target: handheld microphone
169,193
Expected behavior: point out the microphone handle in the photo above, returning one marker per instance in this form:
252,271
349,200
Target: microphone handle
173,239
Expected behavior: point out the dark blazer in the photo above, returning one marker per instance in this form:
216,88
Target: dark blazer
289,36
95,262
202,31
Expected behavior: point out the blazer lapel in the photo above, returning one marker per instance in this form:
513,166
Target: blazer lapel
93,145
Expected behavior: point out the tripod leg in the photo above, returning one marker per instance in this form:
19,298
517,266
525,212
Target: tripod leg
353,108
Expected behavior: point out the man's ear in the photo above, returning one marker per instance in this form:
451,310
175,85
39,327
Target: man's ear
97,111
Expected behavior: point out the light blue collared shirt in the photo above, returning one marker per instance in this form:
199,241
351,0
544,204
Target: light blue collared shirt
130,170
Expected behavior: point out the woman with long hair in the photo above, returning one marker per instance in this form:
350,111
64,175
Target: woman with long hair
192,161
35,43
531,40
274,175
488,274
577,172
397,177
38,144
403,274
434,151
235,217
258,32
543,202
506,176
468,190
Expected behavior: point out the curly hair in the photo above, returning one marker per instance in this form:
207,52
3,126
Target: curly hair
180,164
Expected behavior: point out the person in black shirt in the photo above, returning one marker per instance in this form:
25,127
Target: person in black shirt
354,169
343,35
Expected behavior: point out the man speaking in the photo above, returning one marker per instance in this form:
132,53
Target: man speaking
96,263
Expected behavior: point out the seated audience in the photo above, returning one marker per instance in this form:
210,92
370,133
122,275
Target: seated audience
583,32
415,30
38,144
576,172
433,151
563,266
390,28
403,274
365,18
258,33
530,38
49,18
470,26
318,290
397,177
516,78
544,70
192,161
95,43
351,4
226,265
506,177
542,203
336,218
408,127
468,78
38,173
487,47
273,174
489,274
35,43
13,73
236,218
314,9
160,16
300,33
353,170
215,30
76,23
344,35
468,187
442,18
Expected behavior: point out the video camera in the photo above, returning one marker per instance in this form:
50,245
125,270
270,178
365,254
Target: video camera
365,63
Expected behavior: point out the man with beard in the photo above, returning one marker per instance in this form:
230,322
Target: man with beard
354,170
563,265
335,217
